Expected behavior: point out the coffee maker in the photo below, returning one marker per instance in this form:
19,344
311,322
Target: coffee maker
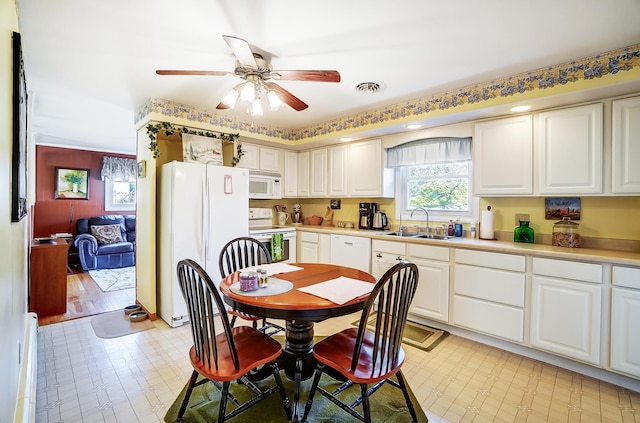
367,210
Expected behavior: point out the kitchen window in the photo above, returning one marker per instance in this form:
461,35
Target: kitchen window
434,173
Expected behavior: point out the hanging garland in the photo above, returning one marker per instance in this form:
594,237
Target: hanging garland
153,129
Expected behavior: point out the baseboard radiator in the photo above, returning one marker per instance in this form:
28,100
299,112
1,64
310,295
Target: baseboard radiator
26,407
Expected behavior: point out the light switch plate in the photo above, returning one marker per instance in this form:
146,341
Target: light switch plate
521,216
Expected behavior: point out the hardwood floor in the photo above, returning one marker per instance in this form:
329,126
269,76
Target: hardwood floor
85,298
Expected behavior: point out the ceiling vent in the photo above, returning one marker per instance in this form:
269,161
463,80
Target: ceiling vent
368,87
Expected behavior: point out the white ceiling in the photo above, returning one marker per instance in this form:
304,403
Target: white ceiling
90,64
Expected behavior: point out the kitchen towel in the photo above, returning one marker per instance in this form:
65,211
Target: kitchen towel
486,226
277,244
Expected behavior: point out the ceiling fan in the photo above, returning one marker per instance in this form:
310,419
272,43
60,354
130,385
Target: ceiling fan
257,73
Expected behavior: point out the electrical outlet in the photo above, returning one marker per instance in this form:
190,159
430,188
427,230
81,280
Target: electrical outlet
521,216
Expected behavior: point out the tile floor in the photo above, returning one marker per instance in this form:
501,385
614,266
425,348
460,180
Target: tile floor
135,378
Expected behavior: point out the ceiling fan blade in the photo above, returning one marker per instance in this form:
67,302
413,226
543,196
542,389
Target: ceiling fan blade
307,75
241,50
287,97
192,72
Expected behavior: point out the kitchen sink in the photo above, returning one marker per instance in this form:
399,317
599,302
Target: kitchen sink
403,234
420,236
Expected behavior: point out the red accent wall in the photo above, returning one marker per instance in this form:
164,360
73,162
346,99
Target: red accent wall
54,216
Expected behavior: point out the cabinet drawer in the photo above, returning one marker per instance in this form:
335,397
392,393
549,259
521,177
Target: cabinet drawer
428,252
490,284
626,276
512,262
388,247
584,272
308,237
490,318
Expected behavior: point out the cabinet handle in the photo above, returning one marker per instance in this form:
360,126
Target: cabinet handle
399,258
349,243
379,255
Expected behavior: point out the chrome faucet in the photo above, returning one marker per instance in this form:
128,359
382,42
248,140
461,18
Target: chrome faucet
426,213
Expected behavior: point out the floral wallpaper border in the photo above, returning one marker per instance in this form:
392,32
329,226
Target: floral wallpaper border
584,69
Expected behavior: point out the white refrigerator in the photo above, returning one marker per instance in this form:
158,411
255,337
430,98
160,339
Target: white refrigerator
201,208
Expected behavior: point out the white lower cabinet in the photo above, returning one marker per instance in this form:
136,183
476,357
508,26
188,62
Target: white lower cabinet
566,313
489,293
432,295
625,318
313,247
385,255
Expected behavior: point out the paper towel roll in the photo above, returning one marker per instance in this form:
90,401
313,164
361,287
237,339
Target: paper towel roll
486,226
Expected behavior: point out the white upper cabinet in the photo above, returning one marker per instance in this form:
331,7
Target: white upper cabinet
318,173
338,168
260,158
503,157
570,150
367,175
626,146
251,156
269,159
303,174
290,174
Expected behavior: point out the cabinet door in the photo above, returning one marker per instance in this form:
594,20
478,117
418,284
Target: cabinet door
381,262
626,146
365,173
324,248
565,318
290,174
503,157
625,336
308,252
318,173
570,150
303,174
432,295
269,159
338,167
250,158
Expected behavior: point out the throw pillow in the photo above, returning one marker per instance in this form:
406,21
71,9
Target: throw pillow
106,234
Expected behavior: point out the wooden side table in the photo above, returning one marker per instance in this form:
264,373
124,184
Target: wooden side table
48,284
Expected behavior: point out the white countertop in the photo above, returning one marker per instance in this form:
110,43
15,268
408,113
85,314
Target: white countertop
540,250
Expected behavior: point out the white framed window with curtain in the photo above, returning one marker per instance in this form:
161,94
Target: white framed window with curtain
119,176
434,173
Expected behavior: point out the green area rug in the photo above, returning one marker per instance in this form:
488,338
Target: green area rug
387,404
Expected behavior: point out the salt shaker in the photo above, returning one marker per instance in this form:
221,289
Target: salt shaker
263,278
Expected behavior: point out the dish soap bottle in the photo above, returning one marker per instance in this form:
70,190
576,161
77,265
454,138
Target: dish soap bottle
457,228
523,233
450,230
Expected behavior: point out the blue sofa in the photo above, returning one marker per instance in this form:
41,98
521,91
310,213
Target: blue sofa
106,242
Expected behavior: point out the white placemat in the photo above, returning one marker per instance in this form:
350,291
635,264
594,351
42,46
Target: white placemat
273,268
276,286
340,290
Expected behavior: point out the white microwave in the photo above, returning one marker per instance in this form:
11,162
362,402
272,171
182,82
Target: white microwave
264,185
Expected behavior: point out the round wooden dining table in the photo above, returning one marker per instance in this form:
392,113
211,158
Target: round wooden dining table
299,309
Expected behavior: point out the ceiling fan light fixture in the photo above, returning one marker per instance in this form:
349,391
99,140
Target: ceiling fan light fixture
256,108
248,92
231,98
274,101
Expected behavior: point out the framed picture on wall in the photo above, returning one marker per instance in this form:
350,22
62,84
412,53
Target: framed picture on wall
19,159
72,184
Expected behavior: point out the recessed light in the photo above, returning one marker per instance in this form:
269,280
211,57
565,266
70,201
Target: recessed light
345,139
520,108
414,126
